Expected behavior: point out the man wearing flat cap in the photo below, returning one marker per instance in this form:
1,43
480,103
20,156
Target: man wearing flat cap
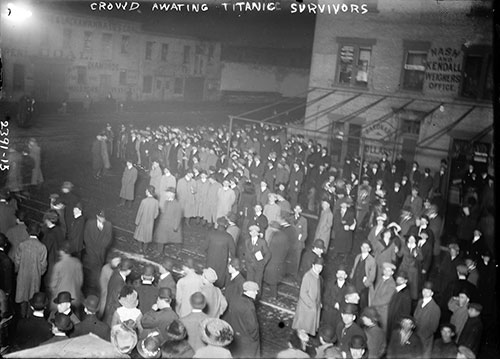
256,256
97,237
243,319
219,246
90,324
381,295
427,315
216,302
459,306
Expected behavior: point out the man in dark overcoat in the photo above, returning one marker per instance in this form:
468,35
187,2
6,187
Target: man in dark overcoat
35,329
97,237
333,295
400,304
53,239
90,324
427,315
278,248
234,283
76,229
243,319
317,250
6,268
70,200
395,201
219,246
344,224
115,285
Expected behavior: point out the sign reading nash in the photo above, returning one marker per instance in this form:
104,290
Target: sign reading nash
444,69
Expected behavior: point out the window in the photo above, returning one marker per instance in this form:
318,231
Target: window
187,54
178,86
477,79
353,141
107,46
415,61
164,52
66,38
81,75
353,67
18,77
149,50
125,44
87,40
147,84
123,78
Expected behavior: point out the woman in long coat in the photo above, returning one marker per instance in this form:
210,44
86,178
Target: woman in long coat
167,181
186,193
309,305
128,183
145,219
35,154
169,228
412,257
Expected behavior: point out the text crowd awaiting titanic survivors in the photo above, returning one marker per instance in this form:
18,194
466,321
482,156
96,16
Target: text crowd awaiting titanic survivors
241,6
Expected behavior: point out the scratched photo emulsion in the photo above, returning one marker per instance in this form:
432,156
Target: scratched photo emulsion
248,179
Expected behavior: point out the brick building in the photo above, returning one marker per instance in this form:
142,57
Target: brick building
59,56
412,77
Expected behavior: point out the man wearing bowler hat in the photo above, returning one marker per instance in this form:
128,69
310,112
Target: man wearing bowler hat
61,327
317,250
400,304
348,327
160,314
91,324
33,330
427,315
344,224
63,301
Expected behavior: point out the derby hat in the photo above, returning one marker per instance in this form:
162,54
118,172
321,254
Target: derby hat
349,308
165,293
357,342
216,332
176,331
62,322
319,243
63,297
39,301
91,303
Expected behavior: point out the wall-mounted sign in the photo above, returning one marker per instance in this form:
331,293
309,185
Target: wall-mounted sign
443,70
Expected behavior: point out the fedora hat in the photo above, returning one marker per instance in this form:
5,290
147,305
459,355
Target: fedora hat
91,303
63,297
216,332
39,301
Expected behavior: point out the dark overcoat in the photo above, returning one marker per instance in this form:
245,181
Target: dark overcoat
243,319
169,227
115,285
275,269
399,306
219,246
342,239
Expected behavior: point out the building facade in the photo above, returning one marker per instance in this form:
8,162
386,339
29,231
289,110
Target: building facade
411,77
59,56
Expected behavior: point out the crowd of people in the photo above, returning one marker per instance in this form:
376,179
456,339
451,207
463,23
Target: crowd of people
403,286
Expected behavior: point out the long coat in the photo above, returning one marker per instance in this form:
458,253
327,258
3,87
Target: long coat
186,287
342,239
275,269
216,302
213,198
427,321
225,201
76,229
203,205
7,217
30,264
308,309
192,323
53,239
155,178
382,253
399,306
219,246
145,220
67,276
96,245
331,295
37,176
16,235
169,228
115,285
165,183
411,264
128,183
297,245
242,317
324,227
380,297
186,194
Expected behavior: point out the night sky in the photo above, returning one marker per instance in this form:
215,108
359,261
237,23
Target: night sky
264,29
